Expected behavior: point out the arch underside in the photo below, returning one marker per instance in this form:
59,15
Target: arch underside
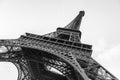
34,61
33,64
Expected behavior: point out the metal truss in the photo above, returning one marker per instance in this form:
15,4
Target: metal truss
65,60
35,56
48,47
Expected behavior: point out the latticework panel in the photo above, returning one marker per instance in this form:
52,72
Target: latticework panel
52,61
66,56
28,52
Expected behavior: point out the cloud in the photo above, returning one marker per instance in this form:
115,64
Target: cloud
110,60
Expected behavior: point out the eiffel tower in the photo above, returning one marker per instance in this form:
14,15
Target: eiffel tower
59,55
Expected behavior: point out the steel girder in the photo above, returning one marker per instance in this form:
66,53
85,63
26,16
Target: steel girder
54,51
64,59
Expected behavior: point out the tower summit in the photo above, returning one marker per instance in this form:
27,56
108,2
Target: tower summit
75,24
59,55
71,31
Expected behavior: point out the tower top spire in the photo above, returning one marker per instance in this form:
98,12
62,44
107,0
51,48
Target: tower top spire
75,24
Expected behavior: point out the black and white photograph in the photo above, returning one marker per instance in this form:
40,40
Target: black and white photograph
59,39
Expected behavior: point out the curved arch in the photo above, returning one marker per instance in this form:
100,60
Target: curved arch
63,55
51,60
19,71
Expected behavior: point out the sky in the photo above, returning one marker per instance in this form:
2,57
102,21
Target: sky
100,26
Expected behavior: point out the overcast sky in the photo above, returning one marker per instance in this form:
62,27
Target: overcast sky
100,26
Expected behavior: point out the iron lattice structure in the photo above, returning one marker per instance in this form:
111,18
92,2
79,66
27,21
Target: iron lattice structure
35,56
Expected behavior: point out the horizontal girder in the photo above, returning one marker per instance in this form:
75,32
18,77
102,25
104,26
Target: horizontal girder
53,49
6,44
64,53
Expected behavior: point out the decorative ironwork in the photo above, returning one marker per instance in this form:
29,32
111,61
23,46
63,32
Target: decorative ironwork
35,56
